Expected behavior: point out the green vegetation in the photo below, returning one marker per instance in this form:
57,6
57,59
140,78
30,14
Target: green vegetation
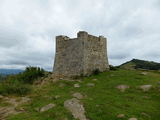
103,101
21,83
141,64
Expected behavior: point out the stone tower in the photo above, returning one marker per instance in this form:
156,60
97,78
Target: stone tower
80,56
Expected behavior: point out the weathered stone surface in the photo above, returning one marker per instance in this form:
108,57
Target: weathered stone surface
90,84
37,109
5,111
145,87
1,96
95,79
144,73
61,85
57,96
122,87
75,108
80,56
76,85
120,116
78,95
133,119
47,107
146,114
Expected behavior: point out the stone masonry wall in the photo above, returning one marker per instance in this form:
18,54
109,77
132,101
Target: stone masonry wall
80,55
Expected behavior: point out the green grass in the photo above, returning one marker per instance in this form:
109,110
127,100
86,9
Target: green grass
102,102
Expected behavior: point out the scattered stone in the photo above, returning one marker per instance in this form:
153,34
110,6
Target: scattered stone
75,108
146,114
146,97
120,116
78,95
37,109
122,87
158,88
47,107
94,79
133,119
57,96
145,87
112,75
61,85
1,96
90,84
76,85
61,78
144,73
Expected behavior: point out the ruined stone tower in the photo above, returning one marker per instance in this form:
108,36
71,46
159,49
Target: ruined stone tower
80,56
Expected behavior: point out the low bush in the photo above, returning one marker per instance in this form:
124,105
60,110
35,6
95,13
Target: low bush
113,67
96,72
14,87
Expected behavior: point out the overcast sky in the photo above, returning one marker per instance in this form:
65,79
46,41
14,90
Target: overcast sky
28,29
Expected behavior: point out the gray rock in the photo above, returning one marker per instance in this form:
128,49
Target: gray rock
120,116
144,73
78,95
37,109
1,96
146,114
75,108
133,119
94,79
90,84
76,85
61,85
57,96
122,87
145,87
47,107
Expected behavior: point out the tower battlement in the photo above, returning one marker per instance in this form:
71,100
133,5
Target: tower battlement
81,55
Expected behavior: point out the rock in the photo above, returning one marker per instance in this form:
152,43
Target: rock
146,114
145,97
122,87
76,85
37,109
57,96
75,108
94,79
61,85
47,107
90,84
120,116
145,87
78,95
144,73
1,96
133,119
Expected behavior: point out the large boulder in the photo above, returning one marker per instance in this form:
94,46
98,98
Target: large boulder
75,108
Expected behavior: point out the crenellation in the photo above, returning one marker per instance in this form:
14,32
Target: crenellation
80,55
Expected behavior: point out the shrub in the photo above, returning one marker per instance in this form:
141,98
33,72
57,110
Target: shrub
113,67
96,72
30,74
14,87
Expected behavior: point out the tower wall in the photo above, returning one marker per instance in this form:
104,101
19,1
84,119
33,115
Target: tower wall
80,55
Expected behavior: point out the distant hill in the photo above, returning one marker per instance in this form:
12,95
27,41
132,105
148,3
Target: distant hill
140,64
10,71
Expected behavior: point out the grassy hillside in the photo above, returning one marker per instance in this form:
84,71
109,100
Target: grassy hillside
140,64
103,101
